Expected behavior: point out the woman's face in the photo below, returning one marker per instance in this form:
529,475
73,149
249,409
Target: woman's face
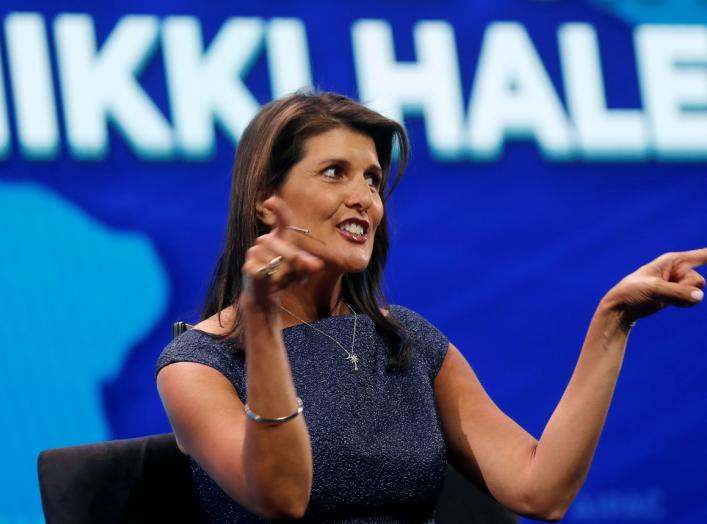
334,191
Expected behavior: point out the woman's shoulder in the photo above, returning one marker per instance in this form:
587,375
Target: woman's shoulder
424,336
409,317
202,347
218,324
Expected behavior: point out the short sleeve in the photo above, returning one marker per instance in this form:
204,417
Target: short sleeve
196,346
426,339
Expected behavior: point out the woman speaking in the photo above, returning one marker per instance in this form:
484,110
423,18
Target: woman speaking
303,394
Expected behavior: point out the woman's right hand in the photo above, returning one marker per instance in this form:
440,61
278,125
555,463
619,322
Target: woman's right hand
669,279
261,290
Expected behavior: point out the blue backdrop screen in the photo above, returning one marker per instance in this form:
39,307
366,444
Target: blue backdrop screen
556,147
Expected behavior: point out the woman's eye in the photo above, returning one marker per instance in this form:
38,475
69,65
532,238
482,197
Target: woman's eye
373,179
331,172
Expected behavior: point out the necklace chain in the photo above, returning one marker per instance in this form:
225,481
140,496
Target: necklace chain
350,355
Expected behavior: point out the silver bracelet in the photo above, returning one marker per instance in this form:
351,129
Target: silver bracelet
277,420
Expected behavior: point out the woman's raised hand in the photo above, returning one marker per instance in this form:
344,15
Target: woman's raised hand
275,261
670,279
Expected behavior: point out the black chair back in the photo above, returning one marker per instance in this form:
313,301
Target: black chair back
139,480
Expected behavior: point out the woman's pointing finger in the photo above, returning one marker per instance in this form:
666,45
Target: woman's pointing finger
695,257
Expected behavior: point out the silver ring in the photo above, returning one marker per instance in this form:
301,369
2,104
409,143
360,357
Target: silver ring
269,269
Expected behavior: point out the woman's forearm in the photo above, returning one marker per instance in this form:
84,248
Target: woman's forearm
277,459
565,450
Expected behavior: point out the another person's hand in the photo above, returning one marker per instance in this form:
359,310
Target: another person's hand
275,261
670,279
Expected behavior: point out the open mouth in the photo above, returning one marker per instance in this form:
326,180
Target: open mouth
354,229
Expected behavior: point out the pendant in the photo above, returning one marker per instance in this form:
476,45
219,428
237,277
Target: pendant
354,360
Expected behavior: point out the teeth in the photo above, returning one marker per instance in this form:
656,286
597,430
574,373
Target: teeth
352,228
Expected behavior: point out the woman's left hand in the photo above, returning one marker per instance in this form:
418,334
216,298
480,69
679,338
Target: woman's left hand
670,279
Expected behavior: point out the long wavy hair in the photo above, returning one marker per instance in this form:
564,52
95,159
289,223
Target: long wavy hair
269,147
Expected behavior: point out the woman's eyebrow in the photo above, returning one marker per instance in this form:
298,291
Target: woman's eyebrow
344,162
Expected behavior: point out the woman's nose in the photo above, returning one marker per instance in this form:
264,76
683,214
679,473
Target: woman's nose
360,195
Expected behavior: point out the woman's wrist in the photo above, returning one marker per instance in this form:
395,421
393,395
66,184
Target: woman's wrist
259,311
613,311
248,302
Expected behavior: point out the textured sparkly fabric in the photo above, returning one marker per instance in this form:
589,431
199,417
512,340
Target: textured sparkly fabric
379,454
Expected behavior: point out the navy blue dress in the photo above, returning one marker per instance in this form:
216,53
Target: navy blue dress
379,454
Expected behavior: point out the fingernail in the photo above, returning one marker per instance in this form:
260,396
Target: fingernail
697,295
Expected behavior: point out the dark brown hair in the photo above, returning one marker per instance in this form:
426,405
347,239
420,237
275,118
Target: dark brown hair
269,147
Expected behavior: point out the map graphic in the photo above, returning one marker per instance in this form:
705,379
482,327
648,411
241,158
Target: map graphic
58,265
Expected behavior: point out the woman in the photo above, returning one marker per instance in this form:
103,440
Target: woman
302,394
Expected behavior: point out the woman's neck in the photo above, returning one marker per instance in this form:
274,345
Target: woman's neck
318,298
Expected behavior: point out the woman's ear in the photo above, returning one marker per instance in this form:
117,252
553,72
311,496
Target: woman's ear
266,216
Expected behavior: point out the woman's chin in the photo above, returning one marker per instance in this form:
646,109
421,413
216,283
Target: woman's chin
347,262
353,266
